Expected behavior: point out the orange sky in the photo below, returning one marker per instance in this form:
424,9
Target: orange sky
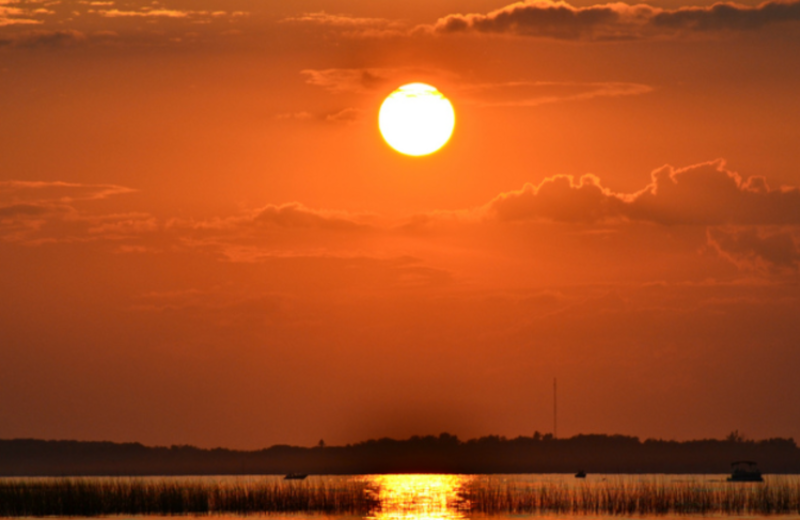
205,240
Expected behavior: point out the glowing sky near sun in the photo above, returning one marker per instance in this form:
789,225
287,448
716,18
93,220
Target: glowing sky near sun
205,239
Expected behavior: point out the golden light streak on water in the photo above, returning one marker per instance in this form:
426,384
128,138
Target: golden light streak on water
419,497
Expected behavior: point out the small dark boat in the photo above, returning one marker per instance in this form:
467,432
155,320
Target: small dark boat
745,471
580,474
295,476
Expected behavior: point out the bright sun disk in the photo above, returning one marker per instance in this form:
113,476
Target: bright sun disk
416,119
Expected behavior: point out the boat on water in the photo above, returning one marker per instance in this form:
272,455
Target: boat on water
580,474
745,471
295,476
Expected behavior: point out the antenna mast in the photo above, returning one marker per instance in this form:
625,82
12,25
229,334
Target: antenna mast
555,408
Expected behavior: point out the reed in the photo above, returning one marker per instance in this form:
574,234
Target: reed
621,496
626,497
108,496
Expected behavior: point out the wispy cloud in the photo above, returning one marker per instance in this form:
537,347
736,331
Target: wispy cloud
289,215
352,26
350,80
23,210
153,13
57,191
163,13
16,13
35,212
297,215
338,20
761,249
535,93
345,115
44,38
504,94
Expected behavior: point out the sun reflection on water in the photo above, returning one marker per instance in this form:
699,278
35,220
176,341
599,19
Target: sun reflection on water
419,497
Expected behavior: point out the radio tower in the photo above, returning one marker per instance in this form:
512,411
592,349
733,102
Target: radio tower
555,408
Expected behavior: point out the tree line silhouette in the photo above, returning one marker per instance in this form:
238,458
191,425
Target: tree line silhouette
444,453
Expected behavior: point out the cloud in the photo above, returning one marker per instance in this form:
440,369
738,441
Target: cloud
23,210
547,19
615,21
289,215
57,191
45,38
352,26
762,249
295,215
365,80
36,225
702,194
338,20
15,16
708,193
302,115
535,93
696,197
35,212
727,16
560,198
346,115
156,13
273,230
22,12
506,94
153,13
349,80
121,225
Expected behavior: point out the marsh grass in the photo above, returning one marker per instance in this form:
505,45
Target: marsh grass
629,497
361,496
110,496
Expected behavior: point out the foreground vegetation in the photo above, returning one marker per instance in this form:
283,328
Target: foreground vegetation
625,496
488,495
122,496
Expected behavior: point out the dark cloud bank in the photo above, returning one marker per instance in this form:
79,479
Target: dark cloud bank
616,21
703,194
753,225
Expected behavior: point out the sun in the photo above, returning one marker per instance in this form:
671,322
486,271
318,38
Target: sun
416,119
